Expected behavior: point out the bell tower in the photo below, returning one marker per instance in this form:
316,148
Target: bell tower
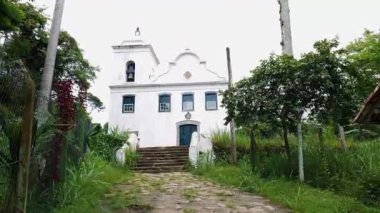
134,61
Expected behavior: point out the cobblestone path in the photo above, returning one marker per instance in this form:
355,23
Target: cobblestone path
184,192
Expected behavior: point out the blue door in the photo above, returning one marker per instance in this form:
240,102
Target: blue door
185,132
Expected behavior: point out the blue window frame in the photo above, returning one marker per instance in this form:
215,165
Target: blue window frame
187,102
128,104
211,102
164,103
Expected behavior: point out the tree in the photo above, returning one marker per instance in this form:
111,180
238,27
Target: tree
271,94
277,87
364,55
10,15
242,106
29,42
331,81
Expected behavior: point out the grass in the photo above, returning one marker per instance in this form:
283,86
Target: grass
86,185
294,195
190,194
354,173
158,185
123,199
188,210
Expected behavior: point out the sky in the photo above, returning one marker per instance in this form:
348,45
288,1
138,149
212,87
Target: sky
251,29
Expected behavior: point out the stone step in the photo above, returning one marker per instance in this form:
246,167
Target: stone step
161,163
170,157
181,160
154,155
163,148
149,169
162,159
142,155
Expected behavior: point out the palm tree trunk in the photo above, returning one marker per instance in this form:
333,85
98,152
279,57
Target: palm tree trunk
48,72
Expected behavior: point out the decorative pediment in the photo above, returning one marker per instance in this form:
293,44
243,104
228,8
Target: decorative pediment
188,67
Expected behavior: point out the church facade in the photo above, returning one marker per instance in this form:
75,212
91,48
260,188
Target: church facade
163,104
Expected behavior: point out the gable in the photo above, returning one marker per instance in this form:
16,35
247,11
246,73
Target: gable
187,67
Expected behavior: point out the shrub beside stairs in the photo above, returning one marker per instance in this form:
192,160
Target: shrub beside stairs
162,159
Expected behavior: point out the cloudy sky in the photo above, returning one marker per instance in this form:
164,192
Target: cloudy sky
249,27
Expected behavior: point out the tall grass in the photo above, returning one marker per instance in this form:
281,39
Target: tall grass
86,184
355,173
294,195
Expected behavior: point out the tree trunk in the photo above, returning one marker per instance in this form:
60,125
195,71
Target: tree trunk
286,141
253,148
48,72
320,136
286,33
233,158
300,153
342,138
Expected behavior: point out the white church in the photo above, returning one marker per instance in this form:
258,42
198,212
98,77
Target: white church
163,104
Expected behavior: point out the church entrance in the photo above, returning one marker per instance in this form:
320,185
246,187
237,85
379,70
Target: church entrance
185,132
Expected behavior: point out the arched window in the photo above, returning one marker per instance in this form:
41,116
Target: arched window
130,72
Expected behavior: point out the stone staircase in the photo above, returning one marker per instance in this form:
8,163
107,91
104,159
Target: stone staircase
162,159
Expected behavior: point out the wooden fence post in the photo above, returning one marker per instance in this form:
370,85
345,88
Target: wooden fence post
300,153
25,145
232,123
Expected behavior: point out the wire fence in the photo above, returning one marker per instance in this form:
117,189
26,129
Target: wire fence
16,99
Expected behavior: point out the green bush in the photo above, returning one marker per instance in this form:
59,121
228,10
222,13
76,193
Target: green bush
105,144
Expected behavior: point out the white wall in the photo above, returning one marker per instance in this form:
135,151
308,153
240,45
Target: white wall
160,128
145,65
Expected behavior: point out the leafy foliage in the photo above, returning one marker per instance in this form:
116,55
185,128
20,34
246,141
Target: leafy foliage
364,56
10,15
24,37
282,90
29,42
105,145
